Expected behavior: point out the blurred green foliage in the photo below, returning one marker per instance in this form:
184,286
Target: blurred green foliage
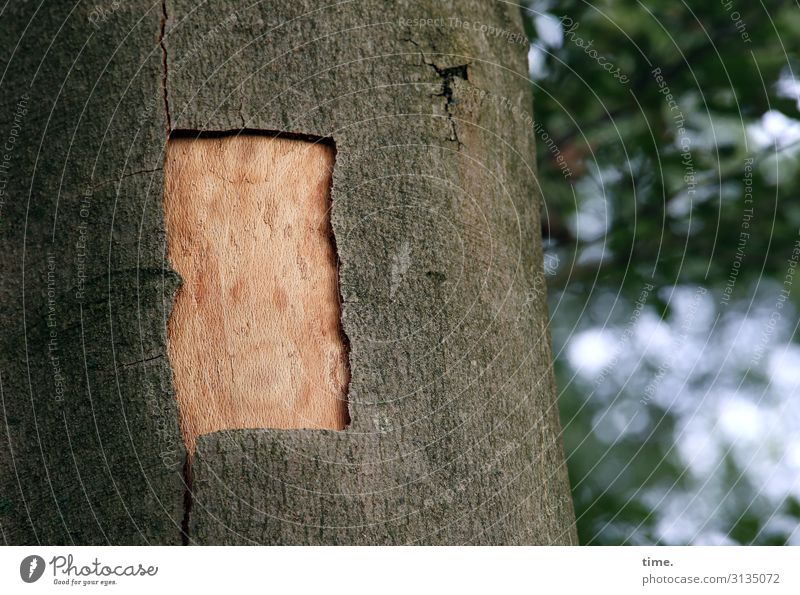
657,193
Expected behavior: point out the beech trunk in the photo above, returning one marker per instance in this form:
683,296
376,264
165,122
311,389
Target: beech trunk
453,434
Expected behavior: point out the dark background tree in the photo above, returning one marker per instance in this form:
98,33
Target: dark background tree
679,413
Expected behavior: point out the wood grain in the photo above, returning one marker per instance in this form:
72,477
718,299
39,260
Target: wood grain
254,337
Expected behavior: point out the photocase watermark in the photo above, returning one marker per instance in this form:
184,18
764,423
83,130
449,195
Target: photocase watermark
383,424
552,147
551,263
571,34
487,30
53,347
682,138
685,328
627,332
537,292
66,572
401,262
527,119
31,568
69,573
744,236
101,13
780,301
81,247
8,148
533,295
495,462
737,20
171,457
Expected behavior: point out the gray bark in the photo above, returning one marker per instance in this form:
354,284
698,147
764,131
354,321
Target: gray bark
454,437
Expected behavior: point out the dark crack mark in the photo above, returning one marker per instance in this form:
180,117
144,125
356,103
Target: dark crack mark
448,75
187,499
141,361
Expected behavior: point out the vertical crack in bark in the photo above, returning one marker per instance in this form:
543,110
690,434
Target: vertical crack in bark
187,463
187,498
164,63
447,75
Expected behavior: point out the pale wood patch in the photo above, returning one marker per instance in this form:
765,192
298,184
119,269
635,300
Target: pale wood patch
254,337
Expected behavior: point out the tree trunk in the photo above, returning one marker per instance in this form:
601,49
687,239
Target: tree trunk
454,434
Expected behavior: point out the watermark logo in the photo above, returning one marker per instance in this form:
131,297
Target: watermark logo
551,264
100,14
570,33
401,262
31,568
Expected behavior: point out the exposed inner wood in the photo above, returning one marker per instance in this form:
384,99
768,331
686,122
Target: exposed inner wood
254,338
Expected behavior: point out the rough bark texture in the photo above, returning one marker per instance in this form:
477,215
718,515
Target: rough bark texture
454,434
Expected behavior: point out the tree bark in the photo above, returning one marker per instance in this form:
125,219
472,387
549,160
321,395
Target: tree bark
454,434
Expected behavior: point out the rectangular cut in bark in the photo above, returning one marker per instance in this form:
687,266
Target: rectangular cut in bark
254,337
